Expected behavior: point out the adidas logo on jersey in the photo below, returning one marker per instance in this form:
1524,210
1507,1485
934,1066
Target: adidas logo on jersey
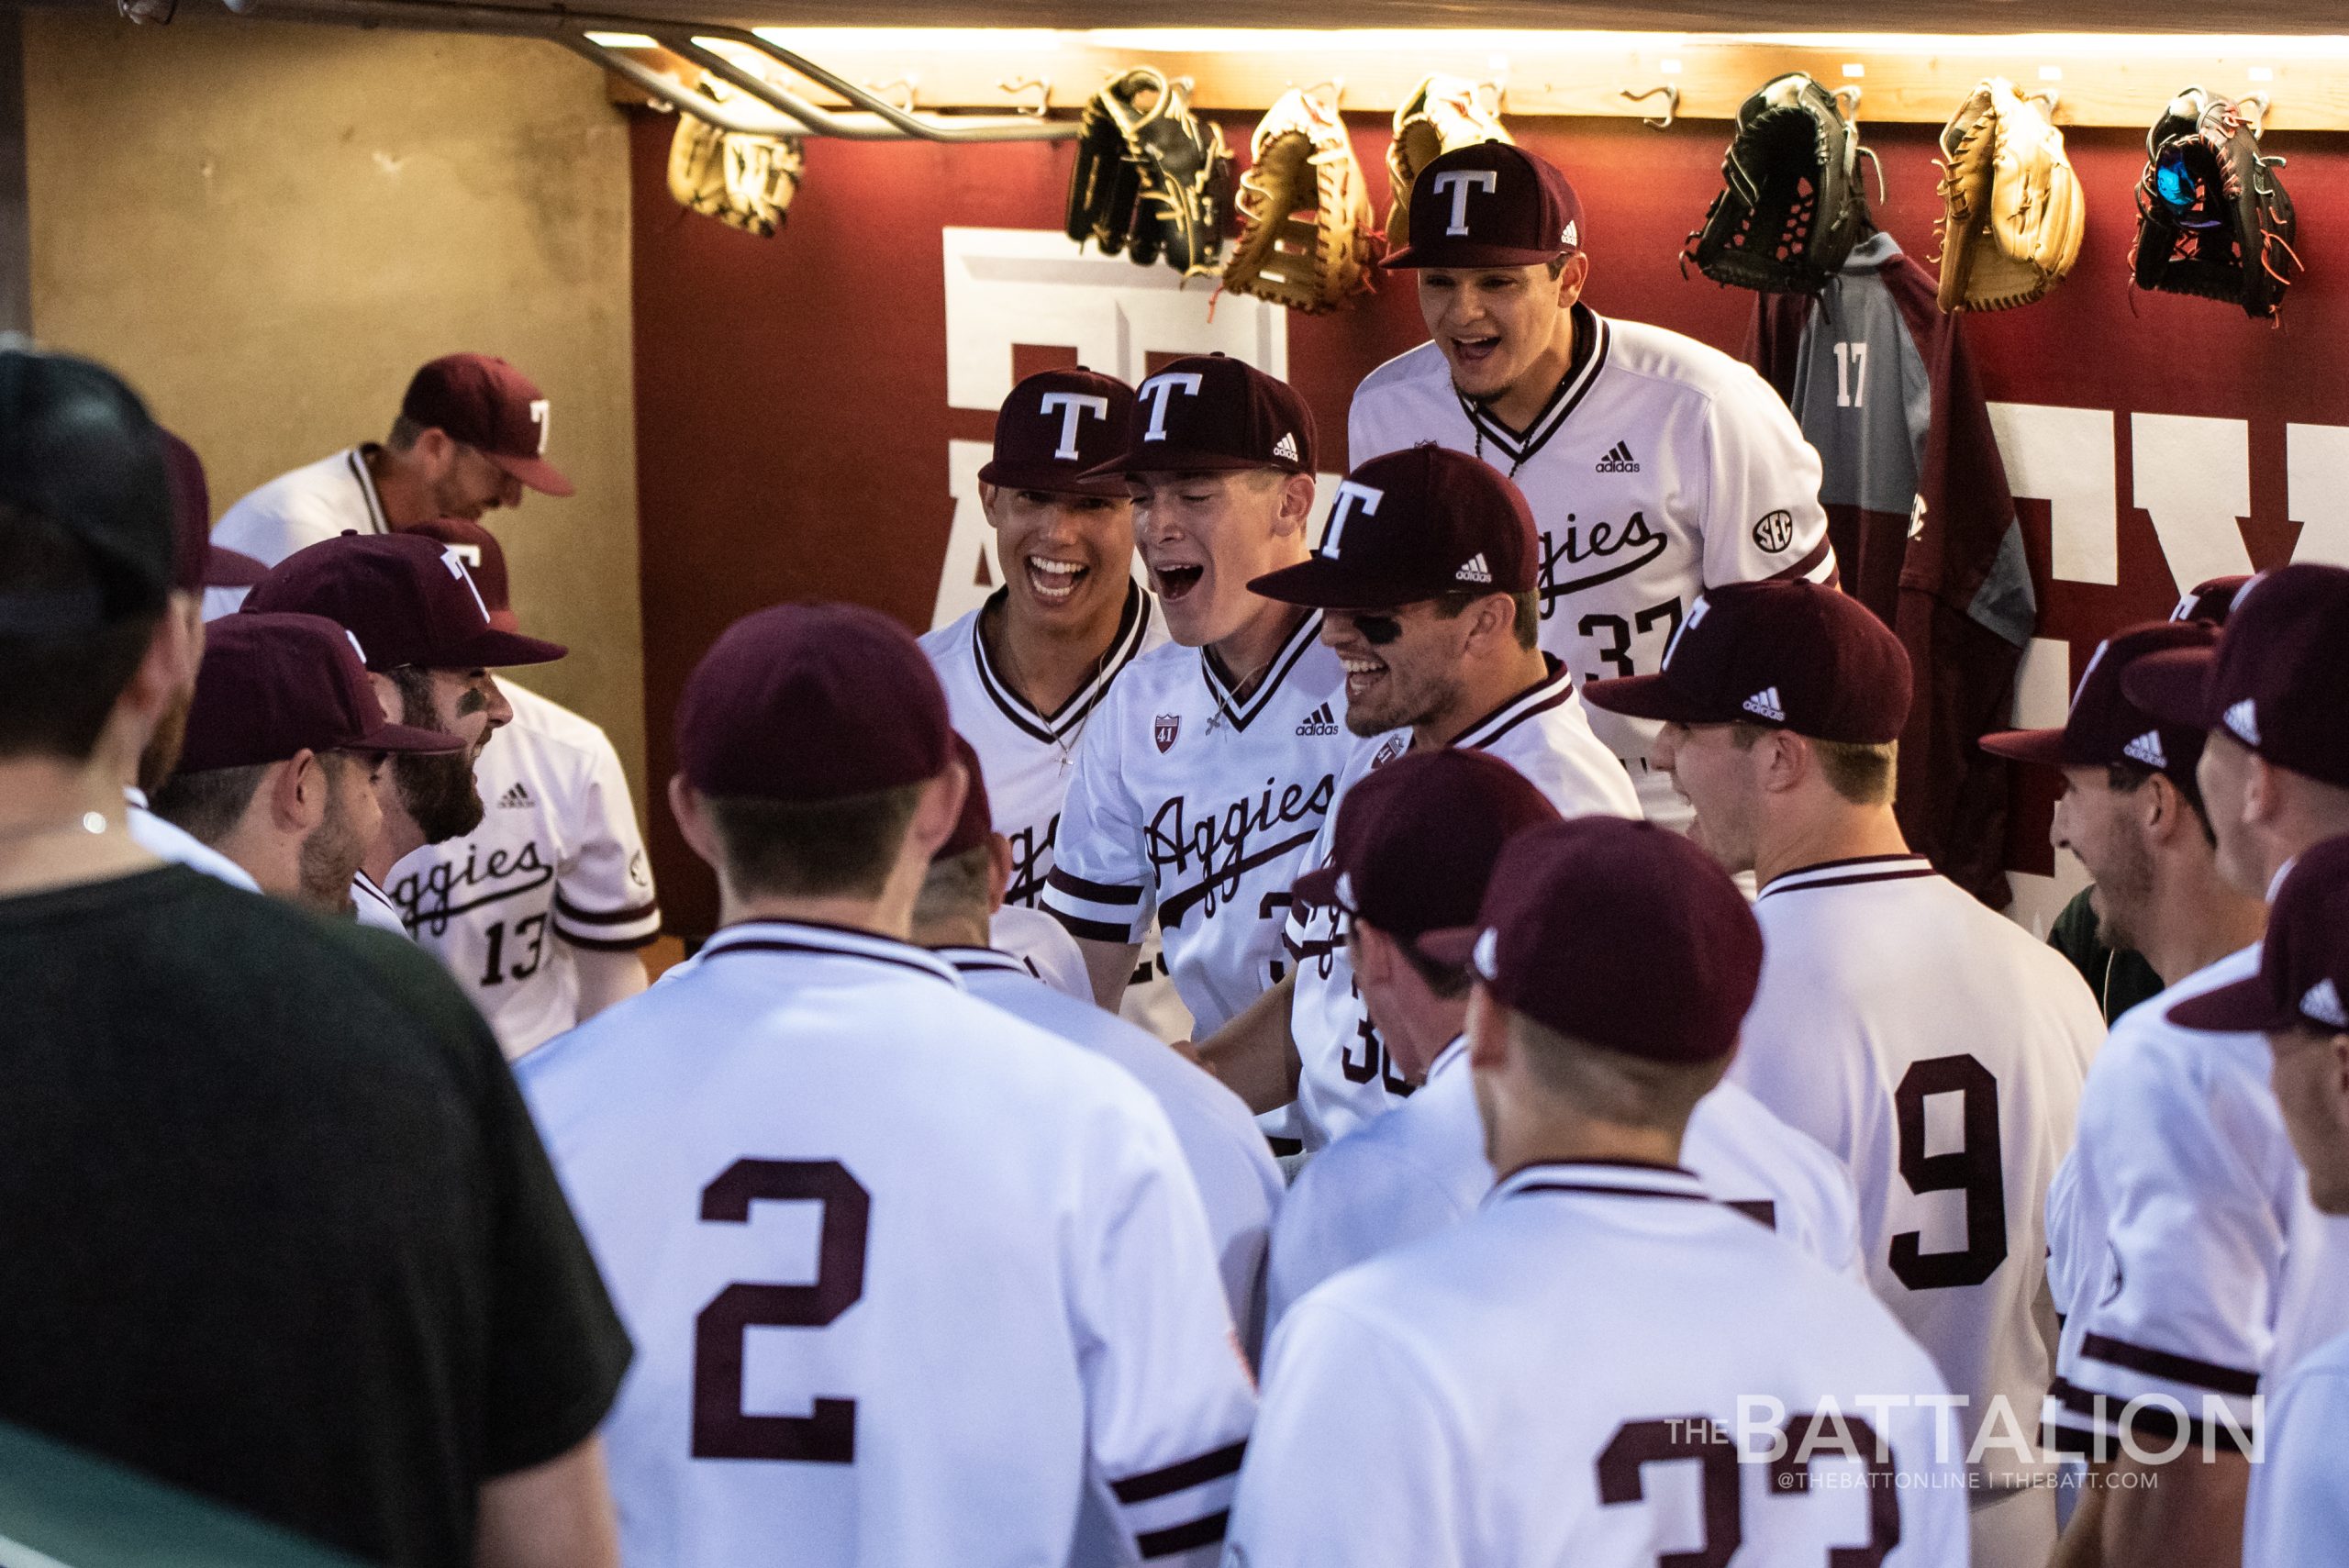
1476,570
516,796
1320,721
1285,447
1766,705
2244,722
2323,1003
1619,459
2147,748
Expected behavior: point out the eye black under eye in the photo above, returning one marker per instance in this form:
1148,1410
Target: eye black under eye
1378,630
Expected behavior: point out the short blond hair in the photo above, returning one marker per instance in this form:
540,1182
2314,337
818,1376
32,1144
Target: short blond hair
1863,772
1610,1086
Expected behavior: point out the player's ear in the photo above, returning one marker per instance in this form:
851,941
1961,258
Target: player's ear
692,822
1488,1042
2262,790
940,807
1297,504
297,792
998,870
1573,278
987,494
1373,953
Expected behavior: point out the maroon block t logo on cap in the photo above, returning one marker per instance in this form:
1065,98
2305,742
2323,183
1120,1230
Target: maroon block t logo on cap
1210,412
1412,526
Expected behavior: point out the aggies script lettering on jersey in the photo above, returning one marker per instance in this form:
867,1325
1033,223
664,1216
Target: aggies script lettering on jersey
1200,807
1659,469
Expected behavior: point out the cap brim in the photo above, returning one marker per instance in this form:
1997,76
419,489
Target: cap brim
1450,944
1327,585
1653,696
2243,1007
494,649
2044,746
232,569
406,738
1053,480
1175,460
535,471
1442,255
1316,889
2171,684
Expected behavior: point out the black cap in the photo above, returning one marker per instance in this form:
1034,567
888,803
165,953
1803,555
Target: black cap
78,452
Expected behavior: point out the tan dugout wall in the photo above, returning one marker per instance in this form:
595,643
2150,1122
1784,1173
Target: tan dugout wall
268,228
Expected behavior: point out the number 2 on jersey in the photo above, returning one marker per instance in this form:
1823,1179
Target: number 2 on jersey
1699,1440
1973,1168
723,1429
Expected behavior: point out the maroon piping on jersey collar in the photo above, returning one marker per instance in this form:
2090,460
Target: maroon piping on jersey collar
1878,868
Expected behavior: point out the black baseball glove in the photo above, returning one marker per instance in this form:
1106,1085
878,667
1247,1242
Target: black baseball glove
2212,217
1790,208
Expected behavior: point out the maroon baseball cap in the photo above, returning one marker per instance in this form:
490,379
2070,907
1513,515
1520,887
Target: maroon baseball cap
1492,204
812,703
196,562
2303,961
1788,655
2277,679
1620,933
976,825
2104,727
1415,841
1055,429
485,403
1210,412
1414,525
484,557
271,685
2210,601
410,599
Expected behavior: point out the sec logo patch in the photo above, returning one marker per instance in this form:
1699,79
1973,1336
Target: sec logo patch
1774,531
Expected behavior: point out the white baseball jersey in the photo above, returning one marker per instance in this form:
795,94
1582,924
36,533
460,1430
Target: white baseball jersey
374,906
1198,808
557,856
167,841
2175,1225
1026,757
1559,1383
1421,1168
2297,1516
906,1275
308,505
1660,468
1043,944
1236,1177
1343,1078
1938,1049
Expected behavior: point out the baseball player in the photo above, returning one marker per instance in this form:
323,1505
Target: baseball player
908,1277
1208,768
1934,1046
2168,1226
284,746
1656,467
542,909
2299,1506
1413,852
1025,671
196,565
1425,582
1601,1366
424,631
1227,1155
471,435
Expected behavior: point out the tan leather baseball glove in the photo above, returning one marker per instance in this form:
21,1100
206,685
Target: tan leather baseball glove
746,181
2013,212
1441,112
1305,213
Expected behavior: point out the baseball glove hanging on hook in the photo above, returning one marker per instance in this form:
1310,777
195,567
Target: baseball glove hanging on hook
1304,214
2212,217
2013,212
1152,179
1790,208
745,182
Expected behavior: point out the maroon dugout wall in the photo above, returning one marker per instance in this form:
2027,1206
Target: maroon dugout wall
794,424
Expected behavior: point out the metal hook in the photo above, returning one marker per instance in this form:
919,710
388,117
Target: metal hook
2257,115
1671,103
1852,109
2053,97
1041,86
1500,91
1335,86
1869,154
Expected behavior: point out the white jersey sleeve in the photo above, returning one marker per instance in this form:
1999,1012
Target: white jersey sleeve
1763,517
1043,944
2297,1516
1758,1165
2180,1307
1102,887
604,898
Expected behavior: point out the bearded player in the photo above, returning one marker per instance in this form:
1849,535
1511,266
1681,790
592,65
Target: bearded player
1656,467
1202,780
